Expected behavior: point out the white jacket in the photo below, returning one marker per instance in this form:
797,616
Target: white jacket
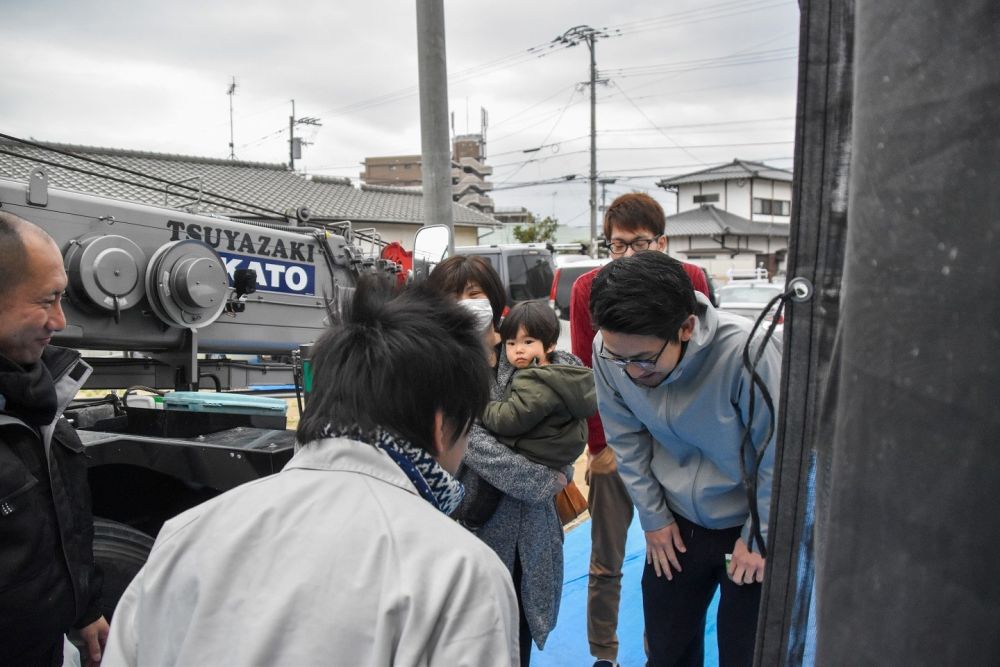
334,561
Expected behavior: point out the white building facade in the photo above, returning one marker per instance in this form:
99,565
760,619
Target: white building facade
732,217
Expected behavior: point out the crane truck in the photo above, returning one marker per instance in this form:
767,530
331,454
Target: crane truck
179,293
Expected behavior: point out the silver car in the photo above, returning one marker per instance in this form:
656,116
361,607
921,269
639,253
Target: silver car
747,298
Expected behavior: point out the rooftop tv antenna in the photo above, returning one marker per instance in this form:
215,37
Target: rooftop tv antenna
231,92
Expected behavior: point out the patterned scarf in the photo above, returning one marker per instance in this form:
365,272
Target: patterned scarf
433,483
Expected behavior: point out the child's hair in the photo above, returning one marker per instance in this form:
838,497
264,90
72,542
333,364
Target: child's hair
538,320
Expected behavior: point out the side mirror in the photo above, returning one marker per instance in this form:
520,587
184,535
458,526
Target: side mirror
430,247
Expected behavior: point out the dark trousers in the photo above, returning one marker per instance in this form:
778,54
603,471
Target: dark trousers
524,631
675,610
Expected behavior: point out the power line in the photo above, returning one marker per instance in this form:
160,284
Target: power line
454,79
708,13
542,120
720,10
641,130
551,130
264,138
711,12
745,121
584,34
570,178
529,108
677,93
202,193
612,95
332,167
734,53
681,166
668,137
648,148
730,56
750,57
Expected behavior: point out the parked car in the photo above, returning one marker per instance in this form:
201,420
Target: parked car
562,283
747,298
524,268
713,291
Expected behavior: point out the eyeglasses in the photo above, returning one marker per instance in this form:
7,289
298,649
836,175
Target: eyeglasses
618,247
645,365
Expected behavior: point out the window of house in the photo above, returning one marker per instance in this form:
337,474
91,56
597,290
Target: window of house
706,199
772,206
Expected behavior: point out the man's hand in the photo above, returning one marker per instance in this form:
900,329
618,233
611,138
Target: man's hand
661,549
561,480
745,567
94,636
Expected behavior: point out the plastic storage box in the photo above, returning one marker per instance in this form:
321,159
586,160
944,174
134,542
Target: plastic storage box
189,414
239,404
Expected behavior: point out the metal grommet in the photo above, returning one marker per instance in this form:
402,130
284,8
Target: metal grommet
801,289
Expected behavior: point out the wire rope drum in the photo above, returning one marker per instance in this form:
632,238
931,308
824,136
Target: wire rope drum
187,284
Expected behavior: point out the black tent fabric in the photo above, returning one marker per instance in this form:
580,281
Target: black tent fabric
906,571
899,403
818,236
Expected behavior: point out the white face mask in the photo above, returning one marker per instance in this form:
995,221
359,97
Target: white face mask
481,310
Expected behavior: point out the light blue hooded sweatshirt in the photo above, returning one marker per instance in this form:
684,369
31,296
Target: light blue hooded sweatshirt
678,444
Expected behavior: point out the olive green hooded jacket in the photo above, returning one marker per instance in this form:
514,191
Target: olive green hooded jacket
543,413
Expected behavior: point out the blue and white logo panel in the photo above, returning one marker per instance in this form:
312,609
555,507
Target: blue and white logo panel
274,275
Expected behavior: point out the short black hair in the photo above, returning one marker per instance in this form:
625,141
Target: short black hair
537,318
392,361
647,294
13,256
453,274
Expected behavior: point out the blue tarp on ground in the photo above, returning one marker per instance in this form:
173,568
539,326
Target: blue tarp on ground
567,643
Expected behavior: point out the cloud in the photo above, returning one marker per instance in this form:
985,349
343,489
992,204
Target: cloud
149,75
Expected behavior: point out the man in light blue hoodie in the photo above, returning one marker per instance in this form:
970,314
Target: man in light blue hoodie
680,410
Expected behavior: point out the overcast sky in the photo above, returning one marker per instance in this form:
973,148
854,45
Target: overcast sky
690,84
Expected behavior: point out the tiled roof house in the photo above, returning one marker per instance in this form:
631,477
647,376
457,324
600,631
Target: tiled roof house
734,215
209,185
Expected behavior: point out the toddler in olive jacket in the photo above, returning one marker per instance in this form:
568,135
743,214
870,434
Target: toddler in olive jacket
543,415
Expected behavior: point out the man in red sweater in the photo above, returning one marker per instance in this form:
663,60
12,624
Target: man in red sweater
633,223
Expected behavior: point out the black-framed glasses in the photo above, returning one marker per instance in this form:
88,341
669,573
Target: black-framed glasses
618,247
645,365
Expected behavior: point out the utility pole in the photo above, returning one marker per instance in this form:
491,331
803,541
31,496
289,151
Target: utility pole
605,182
295,143
593,146
291,139
588,36
231,92
434,138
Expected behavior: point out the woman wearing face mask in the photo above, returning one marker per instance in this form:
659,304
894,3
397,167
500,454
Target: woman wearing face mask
472,279
524,530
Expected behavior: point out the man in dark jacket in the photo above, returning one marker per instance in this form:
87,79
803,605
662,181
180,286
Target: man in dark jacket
48,583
